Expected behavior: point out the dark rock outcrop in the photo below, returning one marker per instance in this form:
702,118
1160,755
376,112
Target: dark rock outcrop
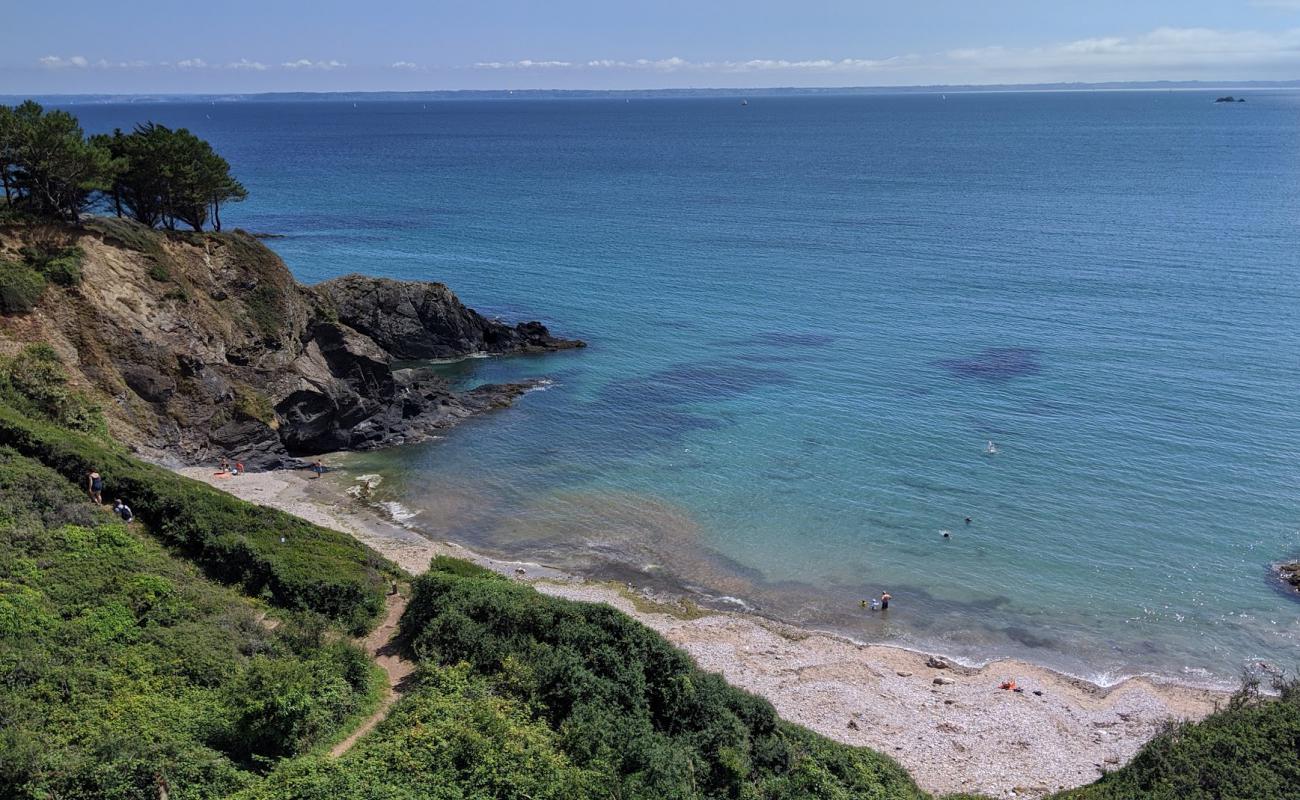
230,357
425,320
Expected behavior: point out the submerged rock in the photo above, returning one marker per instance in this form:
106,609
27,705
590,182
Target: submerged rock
1289,573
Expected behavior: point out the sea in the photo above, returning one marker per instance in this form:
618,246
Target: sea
812,319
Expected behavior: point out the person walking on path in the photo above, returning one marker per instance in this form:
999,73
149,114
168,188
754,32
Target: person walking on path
95,487
123,510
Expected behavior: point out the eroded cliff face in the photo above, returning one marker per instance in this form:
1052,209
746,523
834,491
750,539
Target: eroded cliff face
200,346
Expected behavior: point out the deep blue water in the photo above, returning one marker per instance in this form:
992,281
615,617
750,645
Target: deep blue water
808,316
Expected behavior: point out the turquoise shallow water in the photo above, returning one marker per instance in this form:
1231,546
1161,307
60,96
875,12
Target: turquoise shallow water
807,318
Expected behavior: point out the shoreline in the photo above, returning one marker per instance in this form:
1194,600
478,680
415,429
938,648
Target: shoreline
951,726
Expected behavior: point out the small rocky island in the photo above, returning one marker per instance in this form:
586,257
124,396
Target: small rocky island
1230,99
202,345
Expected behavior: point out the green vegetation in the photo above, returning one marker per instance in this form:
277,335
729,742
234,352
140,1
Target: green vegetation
625,707
1247,751
123,671
168,176
35,383
252,404
59,265
265,309
289,561
47,166
21,287
155,175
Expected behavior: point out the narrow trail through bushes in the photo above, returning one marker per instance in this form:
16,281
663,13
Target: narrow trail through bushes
384,649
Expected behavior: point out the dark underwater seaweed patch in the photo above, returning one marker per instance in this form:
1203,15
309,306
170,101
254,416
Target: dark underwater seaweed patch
996,364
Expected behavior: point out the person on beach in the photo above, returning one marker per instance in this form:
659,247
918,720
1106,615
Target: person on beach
318,468
225,466
884,601
95,487
123,510
239,468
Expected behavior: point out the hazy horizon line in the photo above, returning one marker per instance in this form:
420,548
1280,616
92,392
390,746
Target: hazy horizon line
703,91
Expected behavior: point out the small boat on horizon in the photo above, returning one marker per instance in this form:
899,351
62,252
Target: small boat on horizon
991,448
744,102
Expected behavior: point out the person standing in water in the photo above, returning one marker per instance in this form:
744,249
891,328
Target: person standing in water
884,601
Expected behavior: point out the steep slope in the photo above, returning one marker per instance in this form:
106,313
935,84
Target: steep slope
202,345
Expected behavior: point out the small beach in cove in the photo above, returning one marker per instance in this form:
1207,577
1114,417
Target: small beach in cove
808,317
950,725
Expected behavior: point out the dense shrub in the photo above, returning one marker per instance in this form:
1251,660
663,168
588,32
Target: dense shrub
123,671
1247,751
452,738
61,265
35,382
627,706
21,287
236,542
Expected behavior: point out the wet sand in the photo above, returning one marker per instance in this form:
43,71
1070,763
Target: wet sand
951,727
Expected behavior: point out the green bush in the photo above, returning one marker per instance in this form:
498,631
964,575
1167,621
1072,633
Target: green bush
236,542
60,266
21,287
266,310
1247,751
451,738
252,404
122,670
35,382
624,704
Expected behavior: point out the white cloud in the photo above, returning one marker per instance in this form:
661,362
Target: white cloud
245,64
675,64
192,63
406,65
1164,53
305,63
58,62
526,63
1167,52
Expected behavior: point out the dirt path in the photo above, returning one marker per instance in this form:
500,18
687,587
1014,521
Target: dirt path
382,646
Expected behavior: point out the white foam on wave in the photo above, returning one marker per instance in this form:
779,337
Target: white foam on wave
541,386
397,512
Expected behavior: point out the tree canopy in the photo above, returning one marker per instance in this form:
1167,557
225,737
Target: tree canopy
154,174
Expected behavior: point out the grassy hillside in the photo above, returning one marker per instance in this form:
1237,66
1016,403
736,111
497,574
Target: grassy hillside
287,560
123,670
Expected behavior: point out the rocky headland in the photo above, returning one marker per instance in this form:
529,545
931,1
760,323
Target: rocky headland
203,346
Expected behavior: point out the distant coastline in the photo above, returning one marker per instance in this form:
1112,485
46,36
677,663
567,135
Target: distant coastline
667,92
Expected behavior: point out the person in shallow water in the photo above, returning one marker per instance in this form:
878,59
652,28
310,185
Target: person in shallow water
884,601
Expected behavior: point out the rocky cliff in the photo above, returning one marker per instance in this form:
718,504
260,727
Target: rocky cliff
200,346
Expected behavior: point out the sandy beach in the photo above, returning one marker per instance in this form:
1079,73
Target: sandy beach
951,726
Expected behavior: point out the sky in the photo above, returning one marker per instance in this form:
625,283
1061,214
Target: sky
134,46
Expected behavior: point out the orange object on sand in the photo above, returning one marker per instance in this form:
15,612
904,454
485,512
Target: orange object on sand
1008,685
